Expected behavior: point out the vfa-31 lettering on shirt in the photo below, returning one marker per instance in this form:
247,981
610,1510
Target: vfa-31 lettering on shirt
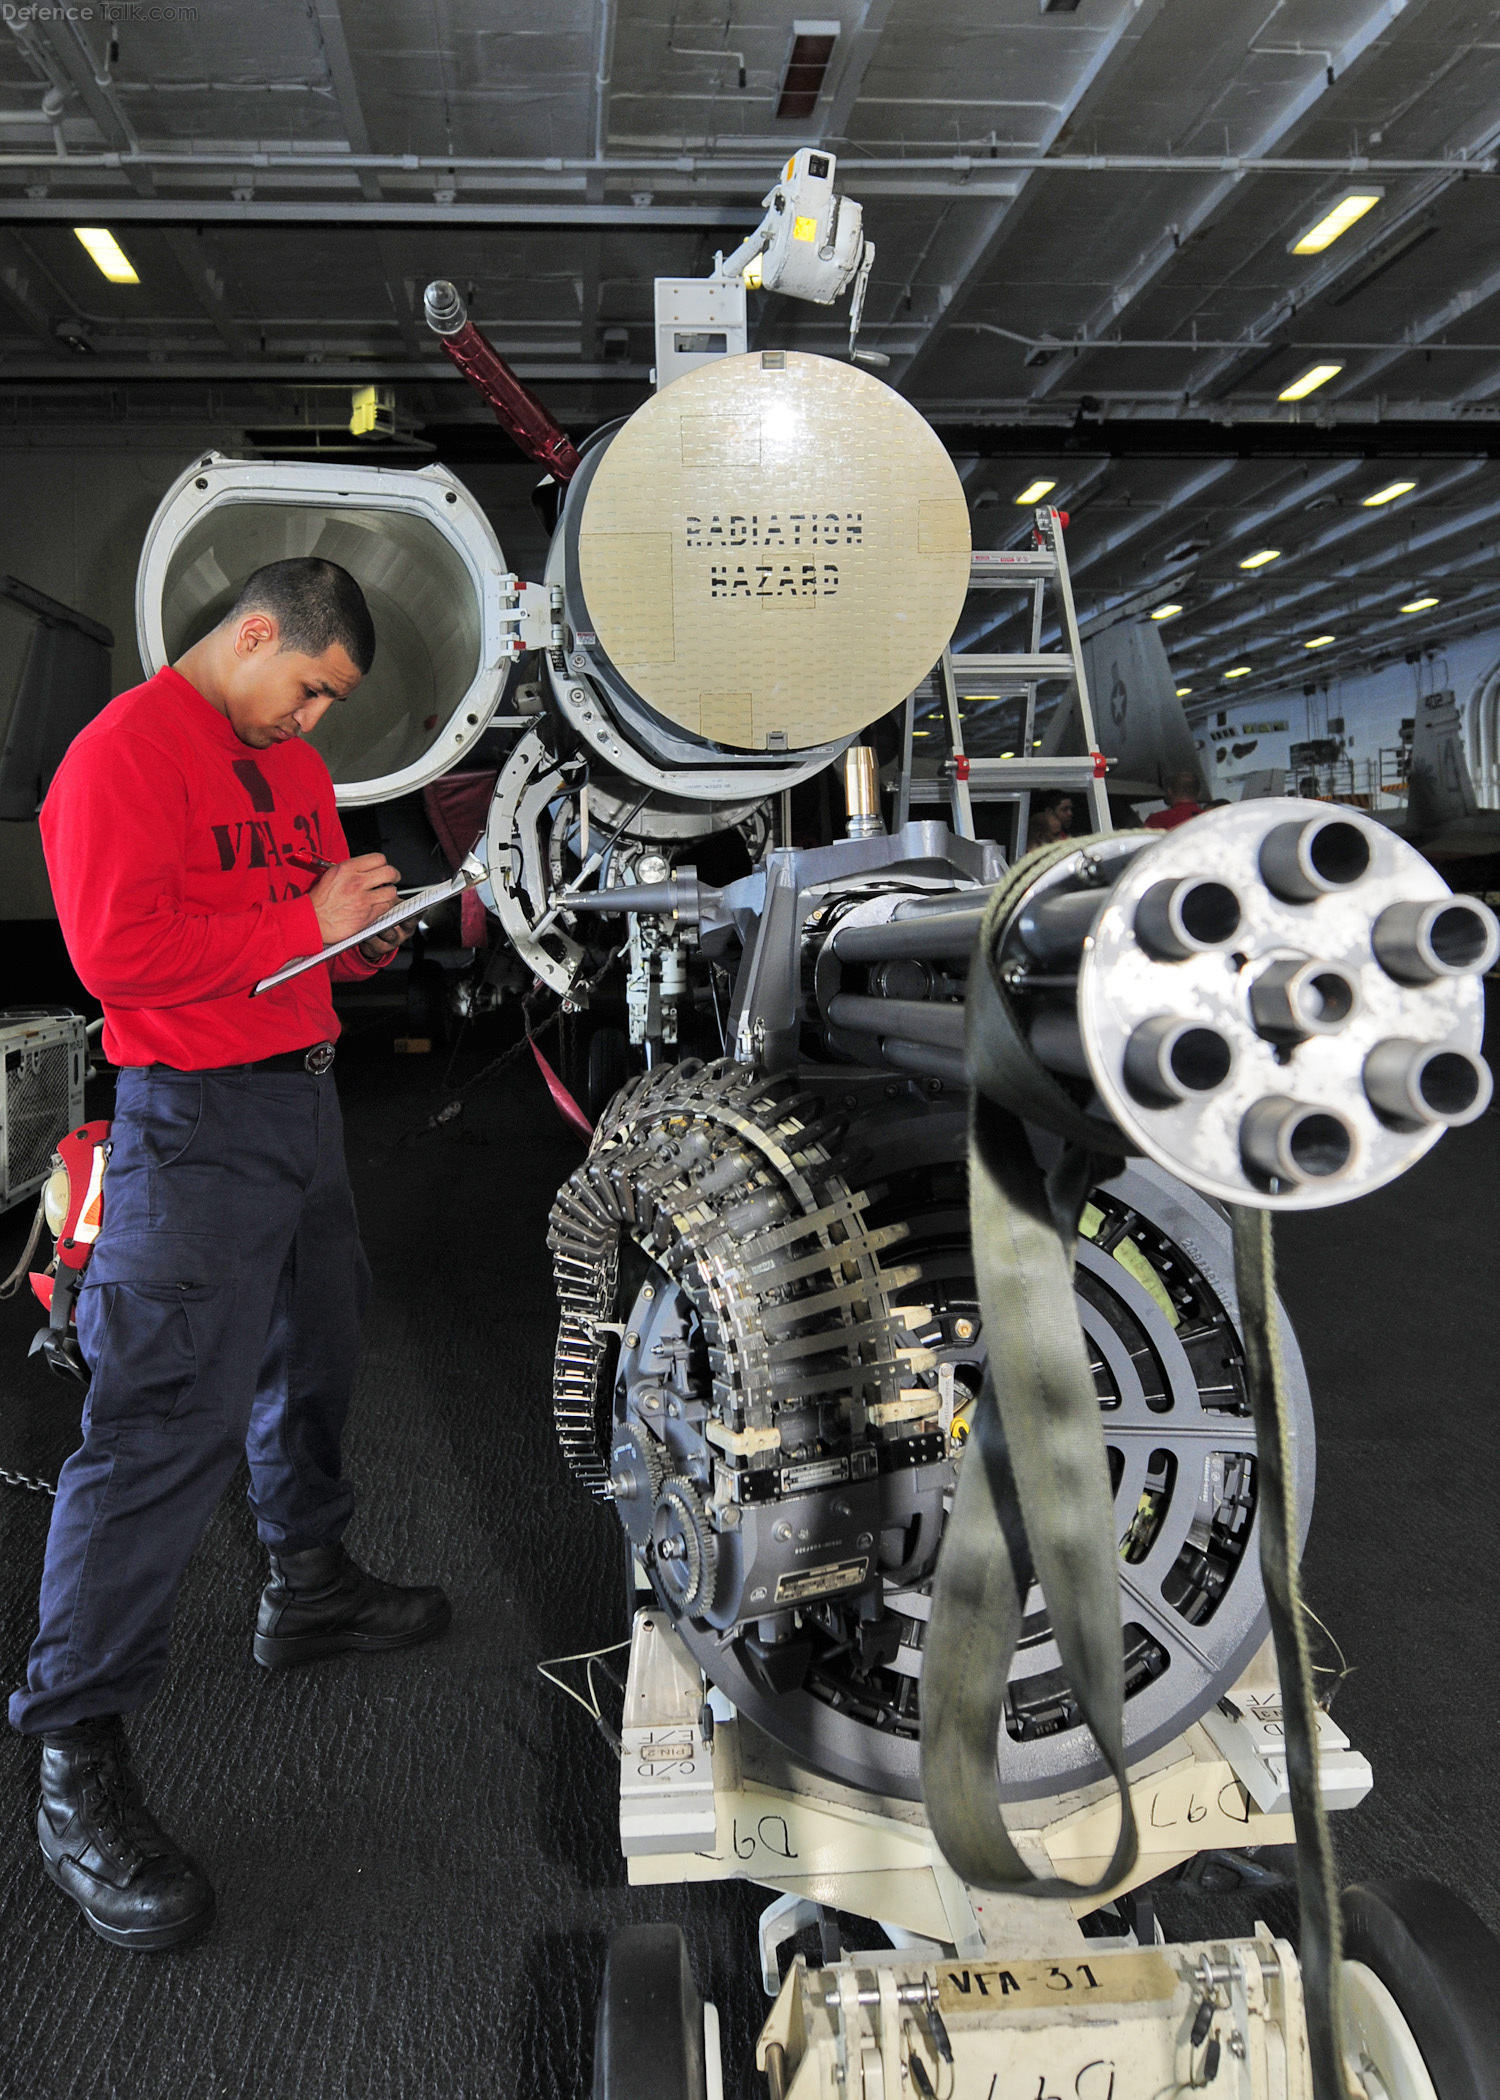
261,840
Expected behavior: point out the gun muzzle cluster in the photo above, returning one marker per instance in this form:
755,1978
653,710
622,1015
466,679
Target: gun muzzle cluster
1282,1007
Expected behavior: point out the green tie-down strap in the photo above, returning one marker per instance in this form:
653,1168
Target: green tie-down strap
1001,1061
1034,1487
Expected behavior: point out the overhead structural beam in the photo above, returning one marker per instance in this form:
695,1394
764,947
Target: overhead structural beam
326,371
861,44
1458,308
329,22
25,291
336,210
1244,642
604,66
1189,490
415,334
984,230
1292,664
1196,485
1359,522
96,92
207,284
1149,267
1280,436
1311,603
592,246
1340,263
1295,661
1178,576
1297,497
1460,567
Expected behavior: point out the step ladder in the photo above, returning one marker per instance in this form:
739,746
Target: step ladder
962,780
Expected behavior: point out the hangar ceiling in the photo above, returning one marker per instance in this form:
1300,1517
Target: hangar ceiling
1084,217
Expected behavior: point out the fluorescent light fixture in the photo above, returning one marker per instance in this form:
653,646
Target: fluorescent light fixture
1314,377
1258,561
1420,604
1035,490
1166,612
1183,691
1322,234
1389,493
107,253
1239,671
1320,641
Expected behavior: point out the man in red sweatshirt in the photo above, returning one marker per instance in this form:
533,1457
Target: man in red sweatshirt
194,847
1182,805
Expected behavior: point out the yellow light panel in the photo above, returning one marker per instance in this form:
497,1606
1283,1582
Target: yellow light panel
1420,604
1035,490
1314,377
1389,493
1320,641
1166,612
1346,213
107,253
1239,671
1183,691
1258,561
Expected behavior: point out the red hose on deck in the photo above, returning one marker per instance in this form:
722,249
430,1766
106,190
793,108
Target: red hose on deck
514,404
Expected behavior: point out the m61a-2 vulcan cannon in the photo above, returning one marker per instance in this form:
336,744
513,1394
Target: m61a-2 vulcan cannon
773,1352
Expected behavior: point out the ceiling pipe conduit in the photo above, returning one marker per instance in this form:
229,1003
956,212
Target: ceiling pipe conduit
1199,345
763,166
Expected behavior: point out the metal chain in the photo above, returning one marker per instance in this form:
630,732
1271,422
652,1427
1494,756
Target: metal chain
24,1480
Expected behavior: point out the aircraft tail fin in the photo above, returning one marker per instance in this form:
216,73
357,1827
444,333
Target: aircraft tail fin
1439,784
1137,716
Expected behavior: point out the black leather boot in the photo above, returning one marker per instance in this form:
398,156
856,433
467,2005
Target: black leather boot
320,1603
102,1846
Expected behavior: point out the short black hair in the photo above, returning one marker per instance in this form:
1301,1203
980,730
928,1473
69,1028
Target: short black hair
314,603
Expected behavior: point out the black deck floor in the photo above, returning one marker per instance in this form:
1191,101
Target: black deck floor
416,1856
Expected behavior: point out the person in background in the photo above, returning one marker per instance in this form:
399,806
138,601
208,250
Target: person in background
1182,802
194,847
1051,818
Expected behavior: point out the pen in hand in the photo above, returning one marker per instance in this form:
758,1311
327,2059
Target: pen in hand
314,864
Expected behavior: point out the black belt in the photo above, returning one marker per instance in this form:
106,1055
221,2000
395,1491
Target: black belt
317,1059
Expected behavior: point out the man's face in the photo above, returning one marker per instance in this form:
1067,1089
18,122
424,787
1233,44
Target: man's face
273,694
1063,811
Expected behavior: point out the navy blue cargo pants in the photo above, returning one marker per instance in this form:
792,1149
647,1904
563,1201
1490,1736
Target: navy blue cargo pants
219,1315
